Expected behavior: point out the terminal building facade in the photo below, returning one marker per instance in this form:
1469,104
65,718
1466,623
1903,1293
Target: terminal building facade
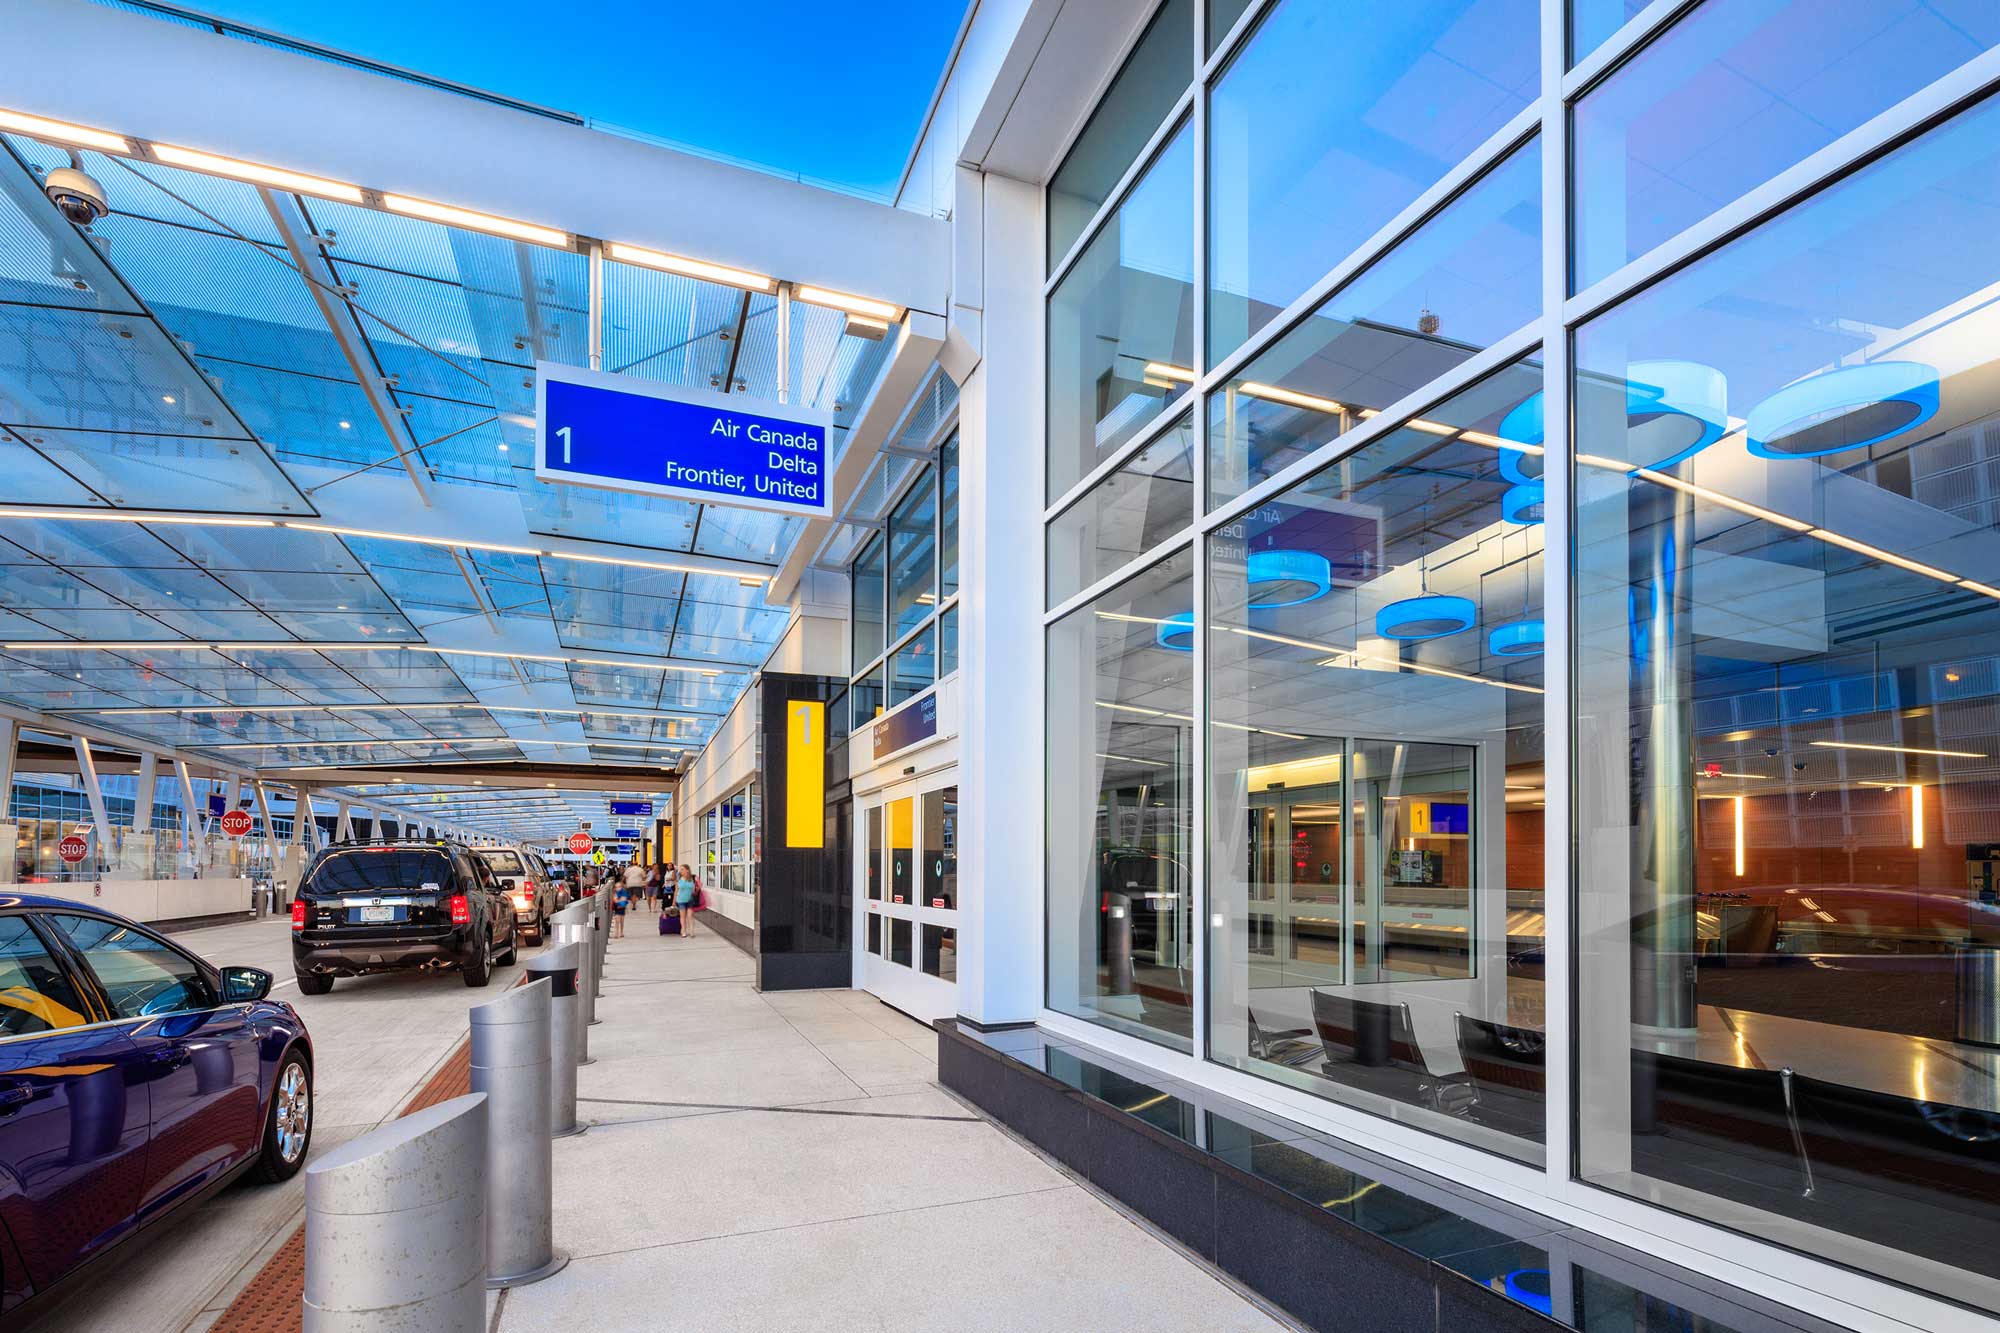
1413,572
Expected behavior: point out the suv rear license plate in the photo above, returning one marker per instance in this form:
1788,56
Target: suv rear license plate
380,913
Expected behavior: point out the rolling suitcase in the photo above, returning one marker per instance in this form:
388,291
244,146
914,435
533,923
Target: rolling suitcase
670,923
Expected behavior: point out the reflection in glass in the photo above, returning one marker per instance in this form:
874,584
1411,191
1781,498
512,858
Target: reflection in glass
1119,744
1155,75
948,518
1376,780
1146,501
1121,335
913,667
913,557
941,848
948,642
941,952
1222,16
874,850
1787,750
1735,93
1399,95
1466,278
1593,22
867,603
899,941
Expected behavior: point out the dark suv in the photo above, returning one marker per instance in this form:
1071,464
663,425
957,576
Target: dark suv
399,904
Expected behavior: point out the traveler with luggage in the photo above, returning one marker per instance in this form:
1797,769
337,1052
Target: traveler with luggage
687,897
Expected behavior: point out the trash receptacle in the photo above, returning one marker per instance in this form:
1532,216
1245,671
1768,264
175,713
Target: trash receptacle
1976,988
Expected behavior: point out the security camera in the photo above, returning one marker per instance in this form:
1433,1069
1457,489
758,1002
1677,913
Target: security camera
1799,766
76,194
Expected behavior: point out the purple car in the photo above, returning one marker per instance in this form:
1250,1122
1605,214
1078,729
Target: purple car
134,1079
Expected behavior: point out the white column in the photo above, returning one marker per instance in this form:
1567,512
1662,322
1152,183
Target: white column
10,835
1000,503
136,856
86,770
191,814
343,824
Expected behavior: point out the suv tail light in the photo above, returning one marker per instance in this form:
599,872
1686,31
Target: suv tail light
461,910
523,900
298,914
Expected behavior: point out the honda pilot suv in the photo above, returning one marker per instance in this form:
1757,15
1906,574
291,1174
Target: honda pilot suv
399,904
526,882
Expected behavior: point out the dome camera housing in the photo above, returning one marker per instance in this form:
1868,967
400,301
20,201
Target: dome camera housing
77,195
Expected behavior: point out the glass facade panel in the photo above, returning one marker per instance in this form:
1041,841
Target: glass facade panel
899,941
1466,278
1735,93
948,642
1376,779
941,848
1222,16
1788,747
913,667
1399,94
1592,23
867,598
1121,324
948,518
913,557
1120,719
1153,79
941,952
1143,503
874,856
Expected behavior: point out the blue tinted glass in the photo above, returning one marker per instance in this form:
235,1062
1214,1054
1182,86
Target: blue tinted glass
1466,278
1121,335
1787,649
1154,77
1735,94
1592,22
1399,95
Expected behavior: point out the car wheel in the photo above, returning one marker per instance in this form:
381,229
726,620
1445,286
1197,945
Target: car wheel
480,972
513,954
288,1125
312,983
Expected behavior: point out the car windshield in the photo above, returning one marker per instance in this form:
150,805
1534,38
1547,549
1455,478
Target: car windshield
372,869
504,862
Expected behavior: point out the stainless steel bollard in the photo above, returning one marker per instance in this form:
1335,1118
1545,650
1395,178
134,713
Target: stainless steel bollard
510,1064
561,966
577,930
603,940
396,1224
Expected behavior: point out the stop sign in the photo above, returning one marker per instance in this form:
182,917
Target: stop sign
236,823
580,844
72,847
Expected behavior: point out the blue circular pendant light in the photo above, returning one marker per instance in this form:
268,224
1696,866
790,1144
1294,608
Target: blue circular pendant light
1532,1287
1838,410
1519,638
1287,578
1176,632
1431,616
1523,425
1522,504
1673,411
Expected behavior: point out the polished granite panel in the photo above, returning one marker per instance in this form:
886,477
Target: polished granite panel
1340,1237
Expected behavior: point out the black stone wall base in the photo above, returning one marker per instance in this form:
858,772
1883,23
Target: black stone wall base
804,971
735,932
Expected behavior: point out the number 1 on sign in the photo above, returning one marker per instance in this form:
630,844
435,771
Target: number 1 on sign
564,432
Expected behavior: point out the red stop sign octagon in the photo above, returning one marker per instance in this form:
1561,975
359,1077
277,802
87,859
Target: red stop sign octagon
236,823
580,844
72,847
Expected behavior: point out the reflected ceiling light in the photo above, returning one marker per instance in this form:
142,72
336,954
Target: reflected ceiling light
465,217
257,173
1897,749
1161,373
1430,616
1523,504
853,305
1886,557
691,268
1520,638
456,542
1289,397
176,645
630,563
1286,578
1674,409
1850,407
37,127
137,516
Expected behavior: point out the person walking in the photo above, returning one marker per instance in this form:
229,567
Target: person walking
686,894
621,898
655,885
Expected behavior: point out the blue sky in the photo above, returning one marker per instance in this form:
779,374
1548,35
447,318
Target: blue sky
829,89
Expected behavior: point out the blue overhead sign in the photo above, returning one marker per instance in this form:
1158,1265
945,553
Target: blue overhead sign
641,809
623,434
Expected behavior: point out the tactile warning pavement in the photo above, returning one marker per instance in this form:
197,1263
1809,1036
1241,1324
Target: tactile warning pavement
271,1302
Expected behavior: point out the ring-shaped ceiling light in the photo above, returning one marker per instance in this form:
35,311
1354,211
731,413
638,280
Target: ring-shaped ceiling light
1522,504
1519,638
1431,616
1673,411
1287,578
1176,632
1838,410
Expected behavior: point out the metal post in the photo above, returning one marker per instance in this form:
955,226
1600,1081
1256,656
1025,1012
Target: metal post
560,966
573,926
395,1226
510,1064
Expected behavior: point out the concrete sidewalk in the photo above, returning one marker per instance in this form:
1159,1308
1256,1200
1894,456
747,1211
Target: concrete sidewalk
787,1161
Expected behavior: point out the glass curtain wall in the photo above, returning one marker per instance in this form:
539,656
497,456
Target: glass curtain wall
907,581
1335,478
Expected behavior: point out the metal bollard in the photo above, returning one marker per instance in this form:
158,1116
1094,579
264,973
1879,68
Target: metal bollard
396,1225
510,1064
577,930
560,966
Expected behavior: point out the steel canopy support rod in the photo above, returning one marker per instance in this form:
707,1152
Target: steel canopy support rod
319,281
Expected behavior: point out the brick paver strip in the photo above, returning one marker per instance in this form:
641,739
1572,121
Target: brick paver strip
272,1301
